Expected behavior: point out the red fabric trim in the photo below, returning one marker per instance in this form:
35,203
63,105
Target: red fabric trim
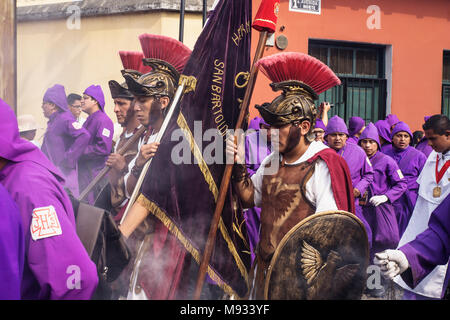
341,182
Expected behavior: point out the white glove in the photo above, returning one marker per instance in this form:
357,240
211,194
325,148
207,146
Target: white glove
391,263
377,200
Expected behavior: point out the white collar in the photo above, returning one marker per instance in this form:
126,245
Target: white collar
314,147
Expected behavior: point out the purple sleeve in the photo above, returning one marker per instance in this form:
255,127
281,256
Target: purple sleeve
366,176
12,249
430,248
397,184
60,264
81,139
251,168
101,144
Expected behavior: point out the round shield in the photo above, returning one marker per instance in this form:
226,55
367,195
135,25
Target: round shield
325,256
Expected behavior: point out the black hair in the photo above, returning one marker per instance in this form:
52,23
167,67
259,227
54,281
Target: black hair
71,98
439,123
417,136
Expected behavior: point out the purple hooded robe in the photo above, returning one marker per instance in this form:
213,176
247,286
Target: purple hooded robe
410,162
430,248
12,247
387,181
65,139
361,170
94,156
56,266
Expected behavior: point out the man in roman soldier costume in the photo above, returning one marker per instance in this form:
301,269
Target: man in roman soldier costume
311,177
159,257
126,117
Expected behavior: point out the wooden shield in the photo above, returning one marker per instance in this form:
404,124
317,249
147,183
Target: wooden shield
325,256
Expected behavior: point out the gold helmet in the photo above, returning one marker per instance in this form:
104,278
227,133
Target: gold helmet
301,78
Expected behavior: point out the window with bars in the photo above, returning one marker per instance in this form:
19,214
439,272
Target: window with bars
361,70
446,84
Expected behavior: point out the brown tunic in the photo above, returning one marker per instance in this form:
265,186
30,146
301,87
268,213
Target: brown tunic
284,205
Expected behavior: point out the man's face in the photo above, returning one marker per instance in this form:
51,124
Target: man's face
142,107
337,140
401,140
88,103
75,108
439,143
280,134
121,107
369,146
318,132
48,108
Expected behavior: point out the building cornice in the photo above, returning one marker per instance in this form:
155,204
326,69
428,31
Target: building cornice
90,8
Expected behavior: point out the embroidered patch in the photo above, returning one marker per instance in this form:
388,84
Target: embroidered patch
44,223
368,161
400,174
106,132
77,125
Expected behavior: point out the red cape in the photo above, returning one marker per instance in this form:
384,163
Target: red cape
341,182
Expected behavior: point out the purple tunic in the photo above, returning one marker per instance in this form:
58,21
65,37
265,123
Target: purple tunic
64,142
361,173
410,162
93,159
58,266
382,219
12,247
424,147
256,150
430,248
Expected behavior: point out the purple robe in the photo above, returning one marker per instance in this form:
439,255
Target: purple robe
256,150
382,219
12,248
93,159
361,173
58,266
430,248
64,142
424,147
410,162
388,181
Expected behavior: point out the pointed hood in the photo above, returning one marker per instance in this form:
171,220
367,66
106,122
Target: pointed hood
57,95
355,124
16,149
383,130
336,124
370,132
96,92
401,126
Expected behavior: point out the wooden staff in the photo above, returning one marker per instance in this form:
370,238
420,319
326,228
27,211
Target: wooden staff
228,170
106,169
